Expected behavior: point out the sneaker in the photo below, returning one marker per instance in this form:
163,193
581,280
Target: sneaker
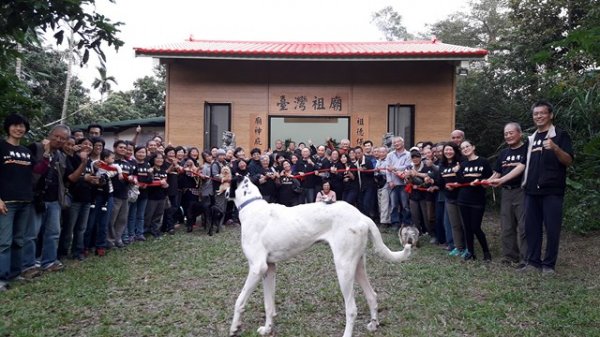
466,255
455,252
520,265
54,266
31,272
171,231
86,252
527,268
433,241
547,271
140,238
3,286
119,244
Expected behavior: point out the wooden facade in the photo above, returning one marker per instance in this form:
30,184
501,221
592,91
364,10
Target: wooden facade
255,89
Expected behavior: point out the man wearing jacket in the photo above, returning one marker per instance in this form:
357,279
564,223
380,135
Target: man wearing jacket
549,154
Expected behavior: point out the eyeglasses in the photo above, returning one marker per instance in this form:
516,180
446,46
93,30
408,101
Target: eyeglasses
466,147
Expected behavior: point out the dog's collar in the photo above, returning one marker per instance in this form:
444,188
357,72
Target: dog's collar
247,202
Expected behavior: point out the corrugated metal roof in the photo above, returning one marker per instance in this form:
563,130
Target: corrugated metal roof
310,50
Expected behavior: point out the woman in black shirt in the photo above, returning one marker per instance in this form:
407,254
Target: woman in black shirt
349,181
157,195
471,199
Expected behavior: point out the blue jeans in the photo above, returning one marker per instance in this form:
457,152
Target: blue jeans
78,219
400,206
309,196
135,218
50,219
97,228
440,229
12,238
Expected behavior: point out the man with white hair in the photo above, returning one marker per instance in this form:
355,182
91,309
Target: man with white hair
398,161
508,173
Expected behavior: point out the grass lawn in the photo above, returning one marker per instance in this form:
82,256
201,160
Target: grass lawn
186,285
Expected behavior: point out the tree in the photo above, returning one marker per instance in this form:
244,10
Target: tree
22,25
389,22
149,94
102,83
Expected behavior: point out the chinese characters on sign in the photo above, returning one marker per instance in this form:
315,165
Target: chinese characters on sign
360,129
309,103
257,134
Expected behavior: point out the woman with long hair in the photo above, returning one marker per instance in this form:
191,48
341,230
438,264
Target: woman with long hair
349,180
448,173
471,199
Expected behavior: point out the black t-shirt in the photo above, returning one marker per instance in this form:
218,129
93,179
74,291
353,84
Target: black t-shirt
321,163
143,176
50,179
508,160
285,192
268,188
157,192
420,182
470,171
545,174
308,181
446,175
81,191
121,186
16,172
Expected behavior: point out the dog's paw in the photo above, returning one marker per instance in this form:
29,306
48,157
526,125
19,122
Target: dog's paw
372,326
264,330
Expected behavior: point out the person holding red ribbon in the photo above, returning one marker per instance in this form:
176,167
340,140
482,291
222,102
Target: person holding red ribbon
471,199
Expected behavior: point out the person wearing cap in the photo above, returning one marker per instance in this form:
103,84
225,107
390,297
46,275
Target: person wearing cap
419,176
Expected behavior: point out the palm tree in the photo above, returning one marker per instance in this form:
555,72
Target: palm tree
103,83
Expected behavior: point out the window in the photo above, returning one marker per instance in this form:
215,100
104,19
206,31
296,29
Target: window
217,118
301,129
401,120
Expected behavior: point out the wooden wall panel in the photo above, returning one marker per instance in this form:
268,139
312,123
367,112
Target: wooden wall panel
251,85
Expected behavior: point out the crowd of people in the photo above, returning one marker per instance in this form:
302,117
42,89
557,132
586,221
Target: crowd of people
69,196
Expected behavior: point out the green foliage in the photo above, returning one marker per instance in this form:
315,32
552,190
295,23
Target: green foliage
23,17
147,99
538,49
38,90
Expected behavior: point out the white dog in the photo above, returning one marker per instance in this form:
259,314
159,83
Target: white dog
272,233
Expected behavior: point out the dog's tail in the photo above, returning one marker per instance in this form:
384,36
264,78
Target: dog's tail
382,250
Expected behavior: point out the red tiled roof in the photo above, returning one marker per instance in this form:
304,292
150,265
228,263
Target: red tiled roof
308,50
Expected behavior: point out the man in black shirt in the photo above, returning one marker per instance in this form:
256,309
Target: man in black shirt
549,153
120,210
508,173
